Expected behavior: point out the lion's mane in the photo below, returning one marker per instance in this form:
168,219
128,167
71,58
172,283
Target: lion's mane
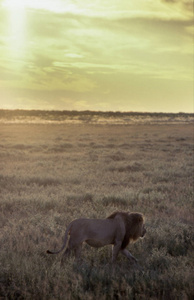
133,223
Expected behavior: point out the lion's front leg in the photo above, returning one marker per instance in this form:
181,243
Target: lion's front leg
126,253
115,250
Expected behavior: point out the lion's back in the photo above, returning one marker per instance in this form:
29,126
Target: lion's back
96,231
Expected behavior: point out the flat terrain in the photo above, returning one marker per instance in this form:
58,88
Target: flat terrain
51,174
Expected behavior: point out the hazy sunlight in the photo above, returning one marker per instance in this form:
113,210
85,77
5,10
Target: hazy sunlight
16,26
55,6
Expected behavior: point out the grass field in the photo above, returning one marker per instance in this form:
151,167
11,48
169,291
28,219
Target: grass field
51,174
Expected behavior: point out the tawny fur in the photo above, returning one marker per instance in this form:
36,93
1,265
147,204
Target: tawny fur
119,229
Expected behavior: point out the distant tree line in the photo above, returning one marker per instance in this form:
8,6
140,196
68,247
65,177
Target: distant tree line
47,114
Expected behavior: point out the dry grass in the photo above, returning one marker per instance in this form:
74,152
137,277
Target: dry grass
51,174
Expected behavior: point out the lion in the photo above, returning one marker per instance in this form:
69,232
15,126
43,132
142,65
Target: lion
119,229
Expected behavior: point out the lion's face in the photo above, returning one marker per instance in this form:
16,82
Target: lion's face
143,231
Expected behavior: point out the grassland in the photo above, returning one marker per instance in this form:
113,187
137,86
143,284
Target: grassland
51,174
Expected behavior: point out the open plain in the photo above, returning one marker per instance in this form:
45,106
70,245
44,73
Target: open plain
51,174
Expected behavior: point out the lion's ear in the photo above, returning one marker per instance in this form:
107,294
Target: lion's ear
140,219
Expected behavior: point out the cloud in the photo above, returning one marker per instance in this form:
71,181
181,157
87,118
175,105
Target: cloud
7,75
115,58
185,4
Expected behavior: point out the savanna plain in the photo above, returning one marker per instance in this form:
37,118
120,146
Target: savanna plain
51,174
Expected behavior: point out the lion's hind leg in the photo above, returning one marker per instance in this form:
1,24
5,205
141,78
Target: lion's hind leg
65,254
77,251
74,247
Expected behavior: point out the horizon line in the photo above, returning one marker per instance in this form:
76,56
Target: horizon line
93,111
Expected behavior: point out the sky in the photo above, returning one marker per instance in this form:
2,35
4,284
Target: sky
102,55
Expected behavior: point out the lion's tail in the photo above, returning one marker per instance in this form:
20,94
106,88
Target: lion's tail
64,243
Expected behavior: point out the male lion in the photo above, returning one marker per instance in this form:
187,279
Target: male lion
119,229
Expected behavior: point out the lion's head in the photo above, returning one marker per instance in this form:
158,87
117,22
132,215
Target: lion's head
134,225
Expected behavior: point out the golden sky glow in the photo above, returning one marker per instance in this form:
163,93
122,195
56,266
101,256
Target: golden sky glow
115,55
